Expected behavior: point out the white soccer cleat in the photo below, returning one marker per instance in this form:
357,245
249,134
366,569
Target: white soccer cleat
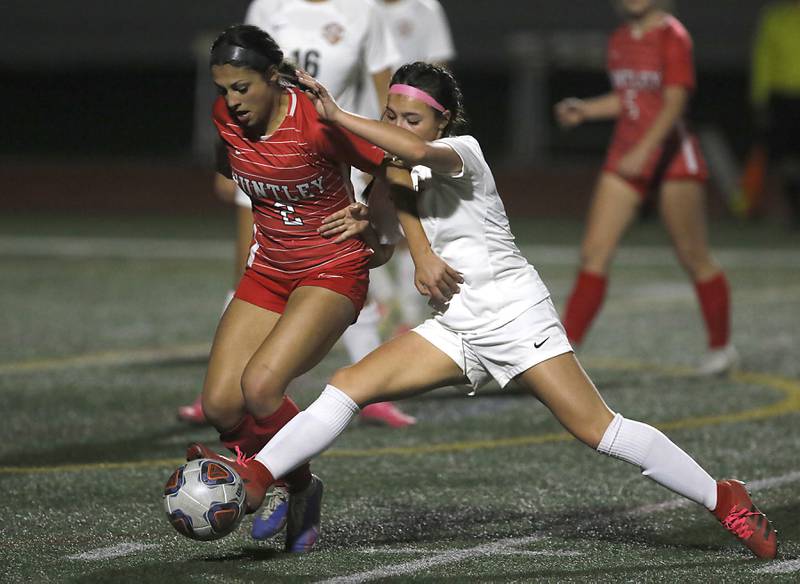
719,361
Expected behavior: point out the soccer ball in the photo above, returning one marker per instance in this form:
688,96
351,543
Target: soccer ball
204,499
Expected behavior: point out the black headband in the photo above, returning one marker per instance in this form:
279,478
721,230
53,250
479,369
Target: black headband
234,54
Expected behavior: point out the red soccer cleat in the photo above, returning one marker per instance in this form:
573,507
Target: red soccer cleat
737,513
387,414
193,413
255,475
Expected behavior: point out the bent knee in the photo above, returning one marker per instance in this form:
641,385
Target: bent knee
222,409
263,384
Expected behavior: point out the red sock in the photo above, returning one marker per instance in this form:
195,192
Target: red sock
260,472
583,305
251,435
715,303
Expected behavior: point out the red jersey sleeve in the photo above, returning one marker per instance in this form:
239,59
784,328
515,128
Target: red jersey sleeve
338,144
678,66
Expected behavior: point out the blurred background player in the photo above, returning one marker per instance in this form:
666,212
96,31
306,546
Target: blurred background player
346,44
775,94
421,32
652,74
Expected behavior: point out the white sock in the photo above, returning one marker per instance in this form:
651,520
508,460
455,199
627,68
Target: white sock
362,337
411,303
309,433
660,459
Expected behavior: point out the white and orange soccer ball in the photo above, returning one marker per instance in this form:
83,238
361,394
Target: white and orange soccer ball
204,499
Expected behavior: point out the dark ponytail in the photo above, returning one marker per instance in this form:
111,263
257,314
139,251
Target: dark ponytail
247,46
439,83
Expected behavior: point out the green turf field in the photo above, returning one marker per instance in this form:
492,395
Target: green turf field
106,324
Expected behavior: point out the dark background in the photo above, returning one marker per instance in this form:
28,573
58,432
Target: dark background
94,80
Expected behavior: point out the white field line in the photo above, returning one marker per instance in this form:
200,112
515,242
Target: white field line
752,486
439,559
508,546
114,551
411,551
784,567
205,249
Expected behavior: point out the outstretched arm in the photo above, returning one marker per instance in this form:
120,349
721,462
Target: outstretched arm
572,111
397,141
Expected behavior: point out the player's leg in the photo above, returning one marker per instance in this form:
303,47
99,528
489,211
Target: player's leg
563,386
613,208
313,320
382,375
360,339
683,212
241,331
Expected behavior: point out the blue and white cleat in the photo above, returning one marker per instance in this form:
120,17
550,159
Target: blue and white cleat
274,512
305,508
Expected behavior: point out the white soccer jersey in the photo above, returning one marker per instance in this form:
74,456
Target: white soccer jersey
340,42
466,224
420,31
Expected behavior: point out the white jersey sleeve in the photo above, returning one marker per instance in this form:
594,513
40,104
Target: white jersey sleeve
470,153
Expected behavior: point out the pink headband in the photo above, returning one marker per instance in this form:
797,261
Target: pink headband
418,94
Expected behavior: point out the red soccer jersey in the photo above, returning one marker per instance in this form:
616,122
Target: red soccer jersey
295,177
640,66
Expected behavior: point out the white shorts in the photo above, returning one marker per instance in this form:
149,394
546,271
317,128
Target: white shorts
502,353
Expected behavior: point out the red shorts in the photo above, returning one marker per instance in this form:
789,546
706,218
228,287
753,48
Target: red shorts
678,159
272,293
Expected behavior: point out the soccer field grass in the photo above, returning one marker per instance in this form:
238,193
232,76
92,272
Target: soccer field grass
106,326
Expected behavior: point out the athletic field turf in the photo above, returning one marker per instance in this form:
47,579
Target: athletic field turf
106,326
